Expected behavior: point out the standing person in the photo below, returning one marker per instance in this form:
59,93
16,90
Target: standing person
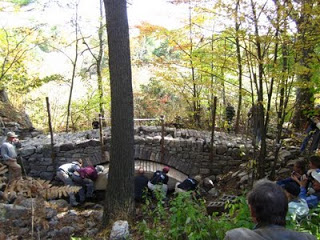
230,112
312,131
65,172
9,154
159,181
140,185
95,124
268,206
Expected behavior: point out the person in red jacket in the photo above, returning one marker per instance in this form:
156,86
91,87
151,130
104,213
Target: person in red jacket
85,177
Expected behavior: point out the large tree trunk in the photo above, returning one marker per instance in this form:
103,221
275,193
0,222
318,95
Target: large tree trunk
119,195
307,28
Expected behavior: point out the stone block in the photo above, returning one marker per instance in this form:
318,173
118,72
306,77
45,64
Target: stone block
27,151
47,175
217,207
67,147
204,171
222,149
12,211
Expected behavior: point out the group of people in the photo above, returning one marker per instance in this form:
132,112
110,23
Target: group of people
73,174
159,182
303,187
268,205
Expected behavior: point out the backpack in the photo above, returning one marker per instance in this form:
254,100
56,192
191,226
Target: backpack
157,178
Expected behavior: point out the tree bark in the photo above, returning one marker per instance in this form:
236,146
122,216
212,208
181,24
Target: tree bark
4,96
119,193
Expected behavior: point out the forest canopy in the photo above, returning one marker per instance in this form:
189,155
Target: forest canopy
242,52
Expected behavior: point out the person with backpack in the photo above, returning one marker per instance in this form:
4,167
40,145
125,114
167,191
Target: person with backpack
189,184
159,181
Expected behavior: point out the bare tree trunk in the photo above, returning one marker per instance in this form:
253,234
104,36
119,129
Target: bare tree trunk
261,114
74,67
119,194
239,69
99,62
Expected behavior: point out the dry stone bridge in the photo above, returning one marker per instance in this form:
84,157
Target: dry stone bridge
186,151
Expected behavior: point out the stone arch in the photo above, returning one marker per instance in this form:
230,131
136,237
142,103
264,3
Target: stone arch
149,167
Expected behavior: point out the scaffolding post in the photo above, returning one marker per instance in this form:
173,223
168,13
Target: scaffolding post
162,138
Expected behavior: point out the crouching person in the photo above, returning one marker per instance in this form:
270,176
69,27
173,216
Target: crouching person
189,184
65,172
159,181
140,185
268,207
85,177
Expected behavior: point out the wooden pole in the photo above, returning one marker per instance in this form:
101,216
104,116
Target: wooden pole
213,112
162,138
53,156
101,123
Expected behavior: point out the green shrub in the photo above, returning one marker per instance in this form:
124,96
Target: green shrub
186,218
308,224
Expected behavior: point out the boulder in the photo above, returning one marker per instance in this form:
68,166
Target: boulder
120,230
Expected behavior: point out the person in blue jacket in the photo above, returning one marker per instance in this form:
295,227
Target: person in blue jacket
311,195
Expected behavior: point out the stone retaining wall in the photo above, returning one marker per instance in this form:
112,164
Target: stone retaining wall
185,150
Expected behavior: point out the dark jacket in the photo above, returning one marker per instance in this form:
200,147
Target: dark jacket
159,177
140,185
270,232
188,184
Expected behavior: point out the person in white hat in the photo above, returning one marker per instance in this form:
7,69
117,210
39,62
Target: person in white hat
9,155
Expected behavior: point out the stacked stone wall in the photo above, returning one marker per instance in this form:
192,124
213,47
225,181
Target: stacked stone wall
186,150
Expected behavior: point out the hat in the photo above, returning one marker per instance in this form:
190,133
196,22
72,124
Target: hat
166,169
197,178
11,134
292,188
316,175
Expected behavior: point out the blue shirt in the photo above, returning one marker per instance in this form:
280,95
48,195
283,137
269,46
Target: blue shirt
8,151
312,200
